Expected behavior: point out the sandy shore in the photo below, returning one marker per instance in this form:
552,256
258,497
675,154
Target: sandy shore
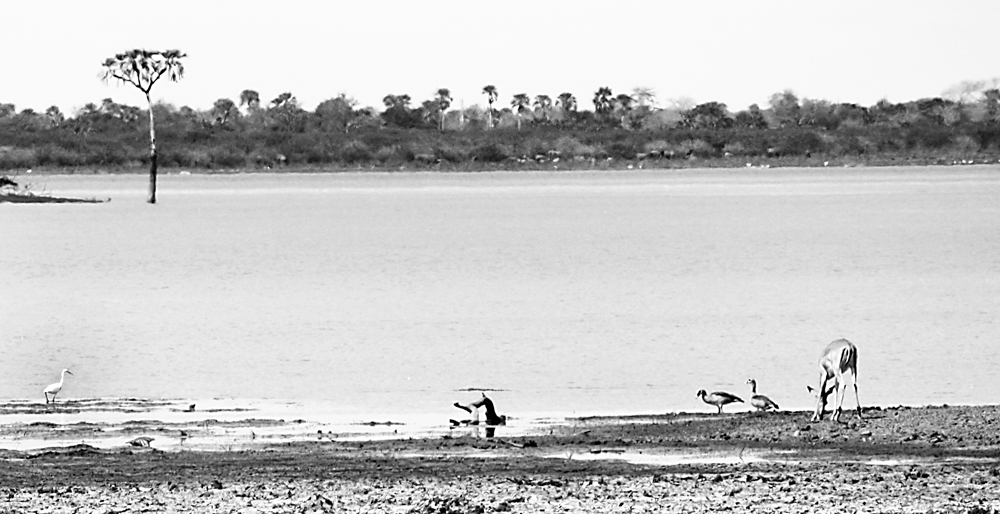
898,459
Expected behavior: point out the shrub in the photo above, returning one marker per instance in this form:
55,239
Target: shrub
697,147
622,150
451,153
490,152
14,158
227,157
355,152
54,155
385,154
186,158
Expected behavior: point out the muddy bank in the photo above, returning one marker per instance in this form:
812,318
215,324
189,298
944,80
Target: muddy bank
913,459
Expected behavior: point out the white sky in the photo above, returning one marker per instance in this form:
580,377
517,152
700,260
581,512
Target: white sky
734,51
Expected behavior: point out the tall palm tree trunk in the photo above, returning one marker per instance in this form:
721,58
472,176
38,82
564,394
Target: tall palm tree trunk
152,154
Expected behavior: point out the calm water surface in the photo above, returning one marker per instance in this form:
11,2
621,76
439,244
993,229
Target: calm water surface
579,293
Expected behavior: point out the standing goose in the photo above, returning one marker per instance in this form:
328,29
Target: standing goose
54,389
718,398
761,402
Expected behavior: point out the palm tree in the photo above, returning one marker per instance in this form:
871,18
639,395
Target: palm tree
602,100
543,104
519,104
567,101
491,96
443,102
142,68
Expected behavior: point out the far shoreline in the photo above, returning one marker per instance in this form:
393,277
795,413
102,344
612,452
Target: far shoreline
721,163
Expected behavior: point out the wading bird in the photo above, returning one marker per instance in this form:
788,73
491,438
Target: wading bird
837,358
759,401
55,388
718,398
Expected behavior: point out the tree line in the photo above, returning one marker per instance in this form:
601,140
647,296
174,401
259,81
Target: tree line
624,129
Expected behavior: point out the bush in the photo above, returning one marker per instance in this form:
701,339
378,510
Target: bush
697,147
490,152
622,150
227,157
53,155
355,152
800,142
14,158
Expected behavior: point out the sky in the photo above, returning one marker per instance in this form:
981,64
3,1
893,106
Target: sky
737,52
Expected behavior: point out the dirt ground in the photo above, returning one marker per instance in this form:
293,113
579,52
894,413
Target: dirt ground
898,459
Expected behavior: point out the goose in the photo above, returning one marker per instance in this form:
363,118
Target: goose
54,389
759,401
718,398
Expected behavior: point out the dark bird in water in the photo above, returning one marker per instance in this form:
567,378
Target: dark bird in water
718,398
759,401
141,441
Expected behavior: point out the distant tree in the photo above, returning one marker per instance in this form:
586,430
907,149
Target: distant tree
399,113
251,99
543,106
991,99
7,110
567,101
852,115
142,69
55,116
603,100
710,115
644,96
932,110
885,112
491,96
785,107
443,100
285,112
519,104
623,103
337,114
752,118
818,113
222,110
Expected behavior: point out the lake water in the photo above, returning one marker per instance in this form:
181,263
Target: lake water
379,296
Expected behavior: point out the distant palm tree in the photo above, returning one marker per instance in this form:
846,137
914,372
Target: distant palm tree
443,102
567,101
142,68
519,104
543,104
491,96
602,100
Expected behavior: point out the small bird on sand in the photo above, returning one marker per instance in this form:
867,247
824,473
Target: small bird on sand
759,401
54,389
718,398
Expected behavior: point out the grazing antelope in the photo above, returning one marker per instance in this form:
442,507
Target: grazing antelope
759,401
718,398
837,358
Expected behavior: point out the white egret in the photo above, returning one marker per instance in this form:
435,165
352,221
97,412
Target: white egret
54,389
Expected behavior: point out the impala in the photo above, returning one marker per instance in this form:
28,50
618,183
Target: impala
837,358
